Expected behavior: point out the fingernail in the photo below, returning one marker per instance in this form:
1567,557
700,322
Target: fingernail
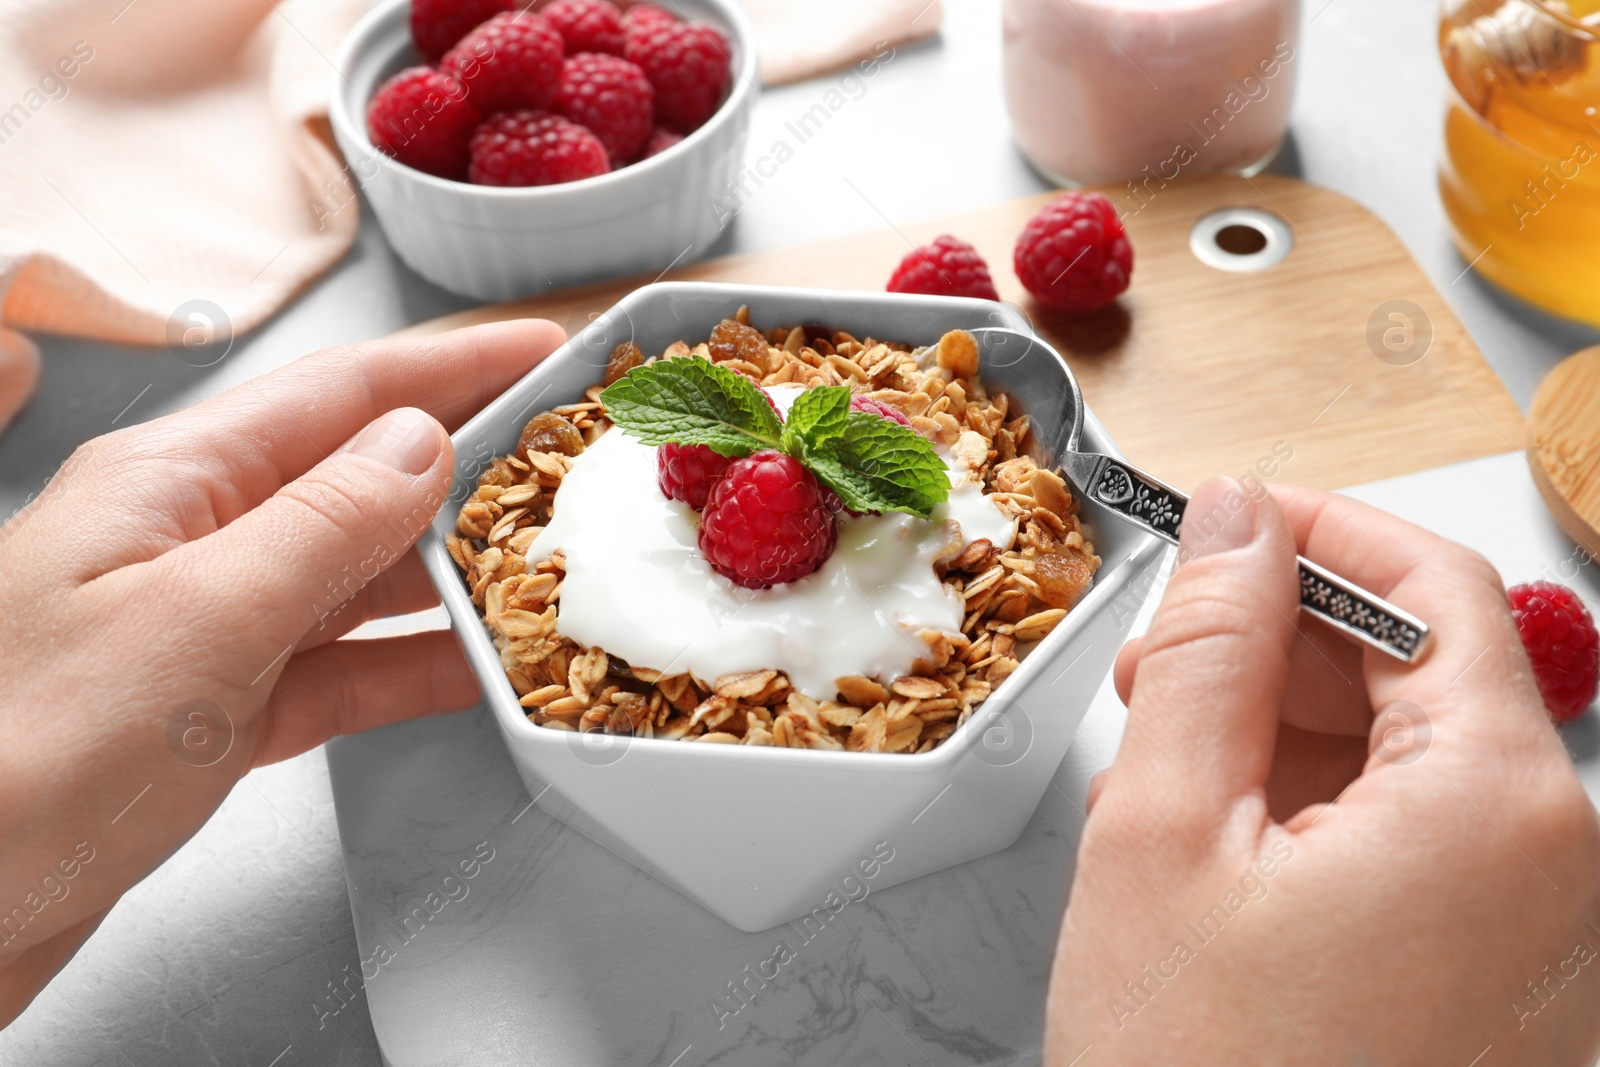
1221,516
405,439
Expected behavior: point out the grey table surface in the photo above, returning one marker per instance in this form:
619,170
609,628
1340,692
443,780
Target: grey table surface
218,956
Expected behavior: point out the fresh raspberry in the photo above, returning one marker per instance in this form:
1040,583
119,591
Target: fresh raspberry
948,267
643,16
1074,253
878,407
534,148
436,25
687,472
423,119
688,65
587,25
610,96
660,141
765,521
1559,635
511,61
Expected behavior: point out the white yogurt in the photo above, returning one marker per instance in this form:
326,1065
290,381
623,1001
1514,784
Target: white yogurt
638,586
976,513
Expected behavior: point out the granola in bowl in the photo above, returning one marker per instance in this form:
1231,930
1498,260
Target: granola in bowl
997,595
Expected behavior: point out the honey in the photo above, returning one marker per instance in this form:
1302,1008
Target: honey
1520,177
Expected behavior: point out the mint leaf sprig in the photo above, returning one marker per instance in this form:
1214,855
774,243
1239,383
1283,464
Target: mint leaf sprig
873,463
693,402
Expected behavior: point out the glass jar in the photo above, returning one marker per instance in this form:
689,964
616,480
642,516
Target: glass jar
1145,90
1520,176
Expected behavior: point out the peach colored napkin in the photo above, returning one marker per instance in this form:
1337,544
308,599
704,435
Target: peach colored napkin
155,152
802,40
159,152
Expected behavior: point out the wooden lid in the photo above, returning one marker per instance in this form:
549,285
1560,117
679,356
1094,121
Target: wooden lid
1564,446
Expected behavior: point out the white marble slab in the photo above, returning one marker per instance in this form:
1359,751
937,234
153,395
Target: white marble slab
560,953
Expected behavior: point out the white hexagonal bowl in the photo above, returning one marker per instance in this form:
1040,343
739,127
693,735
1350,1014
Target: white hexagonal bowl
760,836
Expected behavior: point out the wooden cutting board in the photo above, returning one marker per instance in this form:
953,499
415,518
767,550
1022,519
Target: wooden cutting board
1198,371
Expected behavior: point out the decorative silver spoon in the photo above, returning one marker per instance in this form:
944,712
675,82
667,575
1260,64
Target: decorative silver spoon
1012,359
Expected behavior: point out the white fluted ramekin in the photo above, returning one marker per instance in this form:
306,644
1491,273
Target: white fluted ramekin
494,243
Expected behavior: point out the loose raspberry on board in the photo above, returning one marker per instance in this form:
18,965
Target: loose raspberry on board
1074,254
947,267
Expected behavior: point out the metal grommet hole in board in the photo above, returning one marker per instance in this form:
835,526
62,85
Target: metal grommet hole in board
1240,239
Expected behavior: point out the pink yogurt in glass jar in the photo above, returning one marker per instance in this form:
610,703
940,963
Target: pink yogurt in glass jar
1107,90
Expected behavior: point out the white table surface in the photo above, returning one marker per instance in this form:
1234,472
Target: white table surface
560,953
219,956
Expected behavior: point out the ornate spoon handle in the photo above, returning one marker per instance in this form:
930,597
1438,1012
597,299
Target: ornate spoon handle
1159,508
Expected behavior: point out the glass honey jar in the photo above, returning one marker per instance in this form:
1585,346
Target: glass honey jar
1520,177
